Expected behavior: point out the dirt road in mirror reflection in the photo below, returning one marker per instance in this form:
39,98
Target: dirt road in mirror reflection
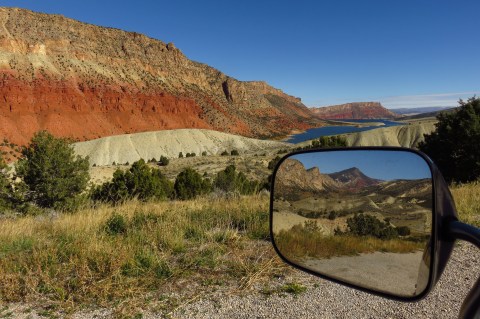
390,272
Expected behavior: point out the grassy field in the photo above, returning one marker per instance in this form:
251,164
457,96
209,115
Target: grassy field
138,253
149,255
297,244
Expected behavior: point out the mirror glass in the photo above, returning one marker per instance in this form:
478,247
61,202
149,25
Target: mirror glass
359,216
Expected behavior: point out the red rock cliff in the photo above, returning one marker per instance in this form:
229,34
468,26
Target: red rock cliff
84,81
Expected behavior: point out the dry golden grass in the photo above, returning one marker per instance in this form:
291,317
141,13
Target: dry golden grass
113,256
467,200
189,248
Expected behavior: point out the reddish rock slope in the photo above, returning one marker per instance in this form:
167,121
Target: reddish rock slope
84,81
356,110
292,177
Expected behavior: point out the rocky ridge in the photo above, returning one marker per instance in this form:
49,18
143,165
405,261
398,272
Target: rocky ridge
292,175
84,81
356,110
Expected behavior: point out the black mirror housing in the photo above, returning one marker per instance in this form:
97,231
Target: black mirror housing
440,242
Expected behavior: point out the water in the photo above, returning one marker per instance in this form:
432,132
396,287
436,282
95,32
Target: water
335,130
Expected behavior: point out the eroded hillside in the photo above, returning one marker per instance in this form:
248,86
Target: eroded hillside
84,81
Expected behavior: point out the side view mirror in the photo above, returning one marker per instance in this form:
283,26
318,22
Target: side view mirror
378,219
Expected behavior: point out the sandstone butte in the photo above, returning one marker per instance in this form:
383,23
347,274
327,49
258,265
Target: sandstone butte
83,81
356,110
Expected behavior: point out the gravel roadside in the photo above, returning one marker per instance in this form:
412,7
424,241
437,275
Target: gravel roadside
322,299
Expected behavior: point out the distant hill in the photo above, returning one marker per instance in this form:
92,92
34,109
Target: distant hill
426,115
419,110
353,178
356,110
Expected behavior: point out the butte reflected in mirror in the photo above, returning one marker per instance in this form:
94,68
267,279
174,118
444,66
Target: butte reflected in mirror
359,216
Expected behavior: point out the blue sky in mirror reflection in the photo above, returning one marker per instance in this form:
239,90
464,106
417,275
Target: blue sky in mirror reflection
379,164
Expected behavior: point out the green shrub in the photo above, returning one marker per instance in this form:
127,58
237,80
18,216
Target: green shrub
229,180
403,231
5,187
234,153
204,153
53,174
329,141
164,161
332,215
140,181
190,184
224,153
180,155
454,145
116,224
367,225
273,162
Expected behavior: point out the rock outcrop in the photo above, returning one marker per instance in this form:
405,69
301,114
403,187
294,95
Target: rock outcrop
292,177
356,110
83,81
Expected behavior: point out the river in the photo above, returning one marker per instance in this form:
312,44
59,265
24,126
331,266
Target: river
339,129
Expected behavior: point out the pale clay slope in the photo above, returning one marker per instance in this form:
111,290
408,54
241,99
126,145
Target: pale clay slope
405,135
131,147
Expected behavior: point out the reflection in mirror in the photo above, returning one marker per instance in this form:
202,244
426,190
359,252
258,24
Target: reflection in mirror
359,216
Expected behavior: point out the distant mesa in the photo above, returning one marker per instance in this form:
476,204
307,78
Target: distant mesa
85,82
355,110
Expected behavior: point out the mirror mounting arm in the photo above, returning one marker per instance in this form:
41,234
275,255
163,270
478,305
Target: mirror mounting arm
471,305
459,230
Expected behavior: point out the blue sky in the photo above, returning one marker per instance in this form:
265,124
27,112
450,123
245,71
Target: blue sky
385,165
401,53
